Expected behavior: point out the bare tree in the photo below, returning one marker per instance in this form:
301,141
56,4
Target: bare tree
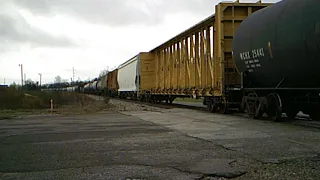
57,79
104,72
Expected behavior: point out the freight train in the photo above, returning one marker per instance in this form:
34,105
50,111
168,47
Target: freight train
255,57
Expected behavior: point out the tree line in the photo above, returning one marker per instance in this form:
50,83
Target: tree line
31,85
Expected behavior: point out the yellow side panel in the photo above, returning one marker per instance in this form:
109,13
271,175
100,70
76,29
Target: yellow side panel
147,71
160,78
192,63
181,65
168,69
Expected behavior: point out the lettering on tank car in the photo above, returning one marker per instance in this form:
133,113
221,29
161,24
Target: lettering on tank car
253,54
252,64
258,53
251,58
245,55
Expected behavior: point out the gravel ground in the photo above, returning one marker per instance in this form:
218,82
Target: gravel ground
120,105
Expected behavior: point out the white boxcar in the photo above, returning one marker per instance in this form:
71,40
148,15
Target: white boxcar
127,73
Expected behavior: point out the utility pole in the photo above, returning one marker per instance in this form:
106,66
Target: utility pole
40,78
4,81
25,78
73,73
21,74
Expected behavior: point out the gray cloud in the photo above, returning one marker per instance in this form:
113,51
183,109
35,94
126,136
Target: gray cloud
14,29
117,12
112,12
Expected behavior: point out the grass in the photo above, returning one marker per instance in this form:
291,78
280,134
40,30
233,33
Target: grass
18,99
6,116
17,102
8,113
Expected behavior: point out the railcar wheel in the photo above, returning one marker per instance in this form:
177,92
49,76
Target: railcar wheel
252,105
292,113
224,108
153,100
170,101
242,107
315,115
148,98
212,106
274,110
204,102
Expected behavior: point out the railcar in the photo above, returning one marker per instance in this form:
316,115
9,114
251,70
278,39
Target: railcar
102,88
86,88
112,83
93,87
198,62
136,77
277,51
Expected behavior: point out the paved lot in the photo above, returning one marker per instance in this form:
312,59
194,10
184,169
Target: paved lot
168,144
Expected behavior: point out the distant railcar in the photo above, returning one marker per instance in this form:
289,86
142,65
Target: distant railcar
112,83
136,77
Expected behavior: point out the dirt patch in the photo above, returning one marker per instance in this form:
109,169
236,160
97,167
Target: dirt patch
119,105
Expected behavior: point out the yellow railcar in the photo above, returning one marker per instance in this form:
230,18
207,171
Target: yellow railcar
199,62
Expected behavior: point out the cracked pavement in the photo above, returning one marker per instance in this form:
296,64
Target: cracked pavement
171,144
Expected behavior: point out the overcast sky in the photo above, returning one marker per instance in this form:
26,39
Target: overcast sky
52,36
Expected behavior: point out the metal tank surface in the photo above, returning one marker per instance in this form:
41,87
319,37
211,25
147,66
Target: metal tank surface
279,46
94,86
86,87
99,85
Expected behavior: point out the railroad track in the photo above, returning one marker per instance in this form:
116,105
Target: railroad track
301,119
